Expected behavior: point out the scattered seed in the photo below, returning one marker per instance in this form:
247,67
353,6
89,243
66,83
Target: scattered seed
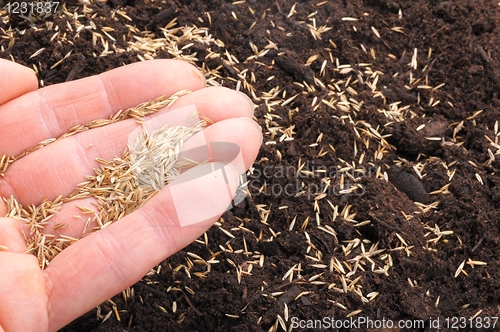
37,52
375,31
477,314
460,269
354,313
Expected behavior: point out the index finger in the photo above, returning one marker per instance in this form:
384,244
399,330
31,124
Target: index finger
50,112
16,80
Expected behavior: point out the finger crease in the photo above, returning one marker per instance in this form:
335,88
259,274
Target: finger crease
105,94
46,116
84,158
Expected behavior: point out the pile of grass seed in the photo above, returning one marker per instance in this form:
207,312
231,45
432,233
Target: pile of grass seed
120,185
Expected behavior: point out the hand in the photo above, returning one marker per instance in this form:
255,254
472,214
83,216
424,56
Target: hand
104,263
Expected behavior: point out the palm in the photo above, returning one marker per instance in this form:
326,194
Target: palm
122,253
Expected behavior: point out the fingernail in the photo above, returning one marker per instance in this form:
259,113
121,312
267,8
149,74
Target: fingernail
259,128
201,76
247,100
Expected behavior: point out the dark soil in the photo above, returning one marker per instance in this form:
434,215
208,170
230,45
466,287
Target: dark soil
287,223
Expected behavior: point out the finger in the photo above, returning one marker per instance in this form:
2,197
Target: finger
57,168
50,112
242,132
217,103
10,235
16,80
23,295
106,262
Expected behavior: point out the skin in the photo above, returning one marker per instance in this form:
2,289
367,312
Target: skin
105,262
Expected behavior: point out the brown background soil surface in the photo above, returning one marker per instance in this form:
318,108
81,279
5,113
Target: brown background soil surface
365,76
